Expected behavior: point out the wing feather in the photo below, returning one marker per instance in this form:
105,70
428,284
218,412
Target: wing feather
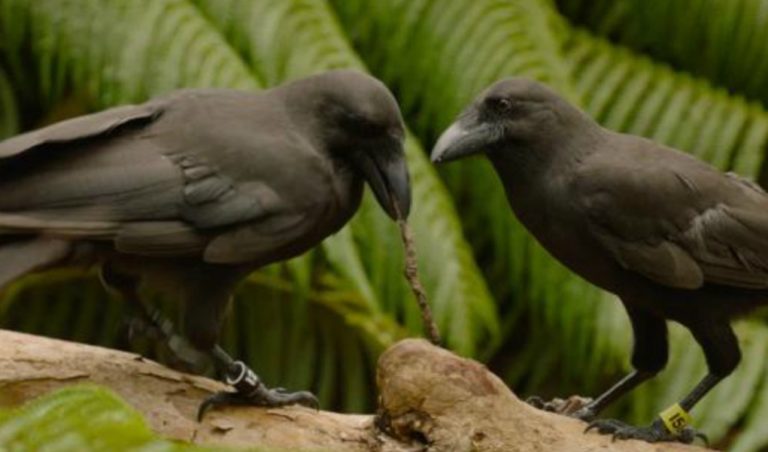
81,128
156,182
680,223
160,239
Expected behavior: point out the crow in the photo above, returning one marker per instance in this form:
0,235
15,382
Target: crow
671,236
192,191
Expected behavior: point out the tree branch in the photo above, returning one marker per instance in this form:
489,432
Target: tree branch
428,397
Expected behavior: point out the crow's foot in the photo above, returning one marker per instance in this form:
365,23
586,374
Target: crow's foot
571,406
249,390
654,433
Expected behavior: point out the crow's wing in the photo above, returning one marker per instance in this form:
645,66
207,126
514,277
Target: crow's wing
81,128
81,177
674,219
109,176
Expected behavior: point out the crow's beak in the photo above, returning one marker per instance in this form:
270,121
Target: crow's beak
387,174
460,141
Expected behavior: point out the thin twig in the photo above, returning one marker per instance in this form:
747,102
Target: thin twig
412,275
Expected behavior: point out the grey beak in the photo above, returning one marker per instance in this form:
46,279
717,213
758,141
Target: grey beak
457,141
398,181
387,174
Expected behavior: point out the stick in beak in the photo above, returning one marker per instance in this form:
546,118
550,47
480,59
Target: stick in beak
387,175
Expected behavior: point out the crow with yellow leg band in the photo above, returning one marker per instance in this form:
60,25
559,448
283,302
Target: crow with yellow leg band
671,236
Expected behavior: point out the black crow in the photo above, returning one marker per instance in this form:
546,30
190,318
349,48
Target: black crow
671,236
192,191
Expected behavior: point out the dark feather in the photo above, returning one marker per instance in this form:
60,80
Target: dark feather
81,128
159,239
673,234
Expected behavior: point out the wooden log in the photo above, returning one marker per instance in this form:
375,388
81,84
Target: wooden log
430,399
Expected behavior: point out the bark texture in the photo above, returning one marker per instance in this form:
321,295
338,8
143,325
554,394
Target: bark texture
430,399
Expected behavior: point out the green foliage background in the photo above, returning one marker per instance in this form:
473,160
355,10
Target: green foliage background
689,73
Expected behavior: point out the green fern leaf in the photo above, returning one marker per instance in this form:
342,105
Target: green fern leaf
80,418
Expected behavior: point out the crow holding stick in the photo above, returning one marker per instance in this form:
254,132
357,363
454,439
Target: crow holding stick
194,190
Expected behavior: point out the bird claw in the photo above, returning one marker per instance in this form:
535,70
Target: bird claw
574,406
654,433
252,392
585,413
268,398
539,403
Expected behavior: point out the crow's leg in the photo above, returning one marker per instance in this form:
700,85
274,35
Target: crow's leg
138,319
147,321
721,349
649,356
207,298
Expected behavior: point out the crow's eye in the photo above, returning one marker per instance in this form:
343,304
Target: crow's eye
362,124
500,104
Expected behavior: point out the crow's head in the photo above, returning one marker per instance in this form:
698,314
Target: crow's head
358,122
512,111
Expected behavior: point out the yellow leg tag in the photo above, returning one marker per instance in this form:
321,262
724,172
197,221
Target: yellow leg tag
675,418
